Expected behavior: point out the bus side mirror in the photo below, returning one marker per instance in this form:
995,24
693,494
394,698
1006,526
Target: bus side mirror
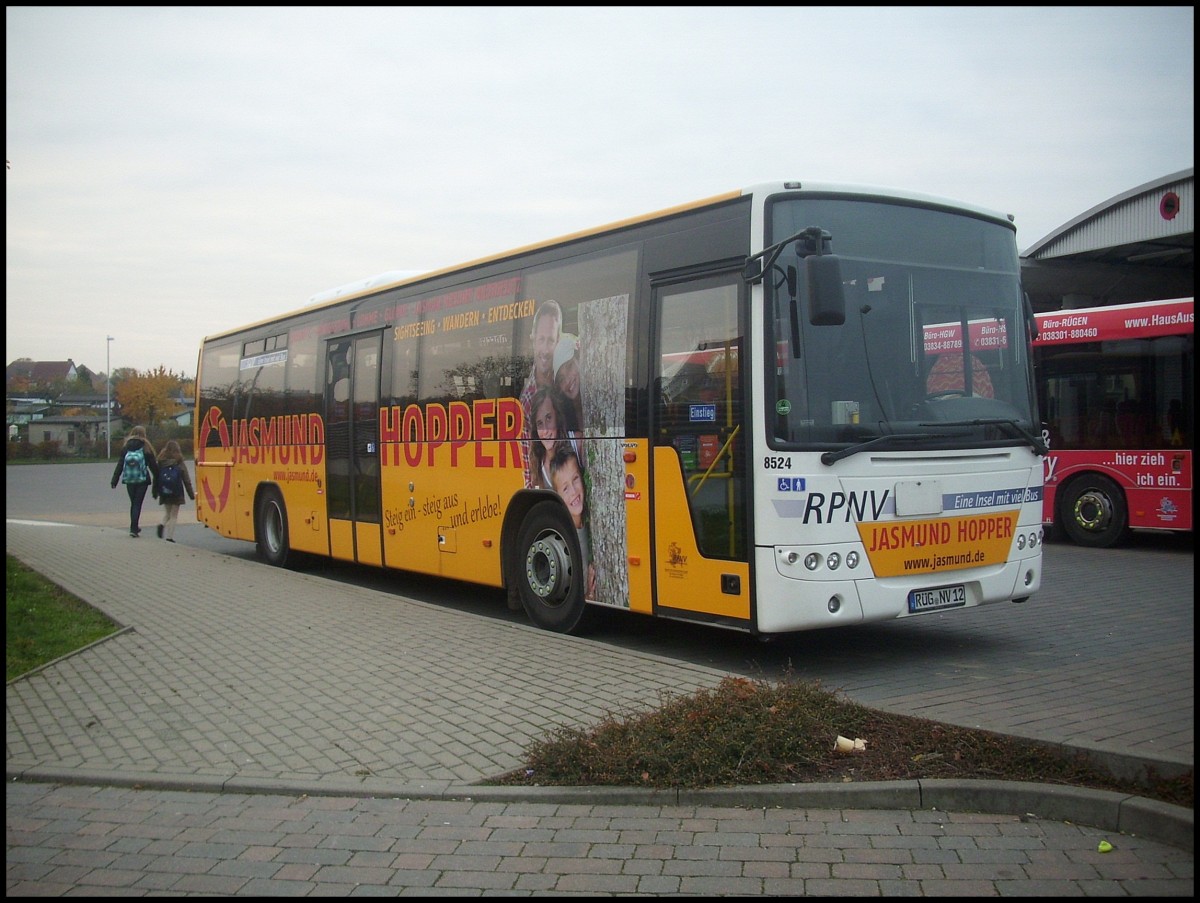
826,295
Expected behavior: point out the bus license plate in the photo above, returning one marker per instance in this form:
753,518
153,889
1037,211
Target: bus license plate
933,599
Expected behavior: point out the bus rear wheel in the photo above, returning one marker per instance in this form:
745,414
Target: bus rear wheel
271,529
1094,512
548,569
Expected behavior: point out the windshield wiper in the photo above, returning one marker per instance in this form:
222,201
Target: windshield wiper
832,457
1034,441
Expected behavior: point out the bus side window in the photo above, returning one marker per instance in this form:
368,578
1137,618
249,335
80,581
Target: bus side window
1066,429
1102,429
1174,433
1130,424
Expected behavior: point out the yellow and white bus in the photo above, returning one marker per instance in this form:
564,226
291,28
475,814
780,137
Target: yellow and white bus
726,412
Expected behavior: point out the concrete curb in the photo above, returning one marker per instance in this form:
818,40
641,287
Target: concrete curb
1103,809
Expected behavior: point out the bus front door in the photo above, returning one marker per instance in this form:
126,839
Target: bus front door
701,554
352,371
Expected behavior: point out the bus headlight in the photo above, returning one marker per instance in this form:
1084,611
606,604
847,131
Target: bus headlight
1020,542
815,561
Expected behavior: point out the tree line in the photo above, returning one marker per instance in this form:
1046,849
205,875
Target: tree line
151,398
140,396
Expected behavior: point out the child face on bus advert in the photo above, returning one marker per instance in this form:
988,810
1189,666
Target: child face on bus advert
567,378
568,483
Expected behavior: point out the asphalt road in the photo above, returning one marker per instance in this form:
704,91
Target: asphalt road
1101,658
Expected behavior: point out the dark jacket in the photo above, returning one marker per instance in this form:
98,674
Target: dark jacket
163,498
151,461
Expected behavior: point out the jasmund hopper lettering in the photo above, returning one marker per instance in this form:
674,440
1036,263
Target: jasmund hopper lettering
287,439
440,433
907,536
936,533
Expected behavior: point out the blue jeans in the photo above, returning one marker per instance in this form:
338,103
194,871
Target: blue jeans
137,495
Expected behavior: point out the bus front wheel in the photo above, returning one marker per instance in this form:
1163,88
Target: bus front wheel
271,529
1094,512
548,569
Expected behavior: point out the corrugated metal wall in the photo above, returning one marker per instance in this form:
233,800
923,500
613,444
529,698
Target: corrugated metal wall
1124,220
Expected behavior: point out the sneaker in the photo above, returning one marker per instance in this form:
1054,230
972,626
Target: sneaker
170,540
159,530
133,533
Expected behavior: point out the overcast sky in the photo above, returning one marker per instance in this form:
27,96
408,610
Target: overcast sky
179,171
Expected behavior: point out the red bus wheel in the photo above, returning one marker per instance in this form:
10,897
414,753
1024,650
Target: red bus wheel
1093,512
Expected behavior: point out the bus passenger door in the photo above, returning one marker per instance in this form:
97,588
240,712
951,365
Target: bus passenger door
352,369
701,547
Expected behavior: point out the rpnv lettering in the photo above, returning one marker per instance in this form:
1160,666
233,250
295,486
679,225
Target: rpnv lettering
853,507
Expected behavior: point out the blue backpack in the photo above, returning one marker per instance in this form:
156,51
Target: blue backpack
135,470
170,483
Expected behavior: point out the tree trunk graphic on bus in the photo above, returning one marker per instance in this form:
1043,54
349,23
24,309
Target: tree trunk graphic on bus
573,401
603,343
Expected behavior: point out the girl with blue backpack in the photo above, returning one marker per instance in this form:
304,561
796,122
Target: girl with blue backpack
173,482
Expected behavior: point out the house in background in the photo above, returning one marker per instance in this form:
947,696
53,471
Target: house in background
73,422
71,433
94,402
17,417
185,416
70,406
21,376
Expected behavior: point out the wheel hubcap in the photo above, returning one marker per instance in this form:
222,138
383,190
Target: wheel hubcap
548,568
273,529
1093,511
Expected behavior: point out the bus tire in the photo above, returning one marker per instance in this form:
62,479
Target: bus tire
548,569
271,529
1093,512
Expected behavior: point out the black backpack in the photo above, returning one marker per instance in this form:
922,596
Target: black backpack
169,480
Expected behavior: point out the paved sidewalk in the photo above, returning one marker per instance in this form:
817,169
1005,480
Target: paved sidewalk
139,842
258,731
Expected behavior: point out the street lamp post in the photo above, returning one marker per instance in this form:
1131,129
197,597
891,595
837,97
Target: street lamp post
108,397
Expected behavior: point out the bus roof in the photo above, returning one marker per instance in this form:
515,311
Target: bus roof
395,278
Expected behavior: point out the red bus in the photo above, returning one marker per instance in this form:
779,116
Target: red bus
1116,391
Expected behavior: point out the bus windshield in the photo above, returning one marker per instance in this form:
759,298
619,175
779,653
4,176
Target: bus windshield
916,281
